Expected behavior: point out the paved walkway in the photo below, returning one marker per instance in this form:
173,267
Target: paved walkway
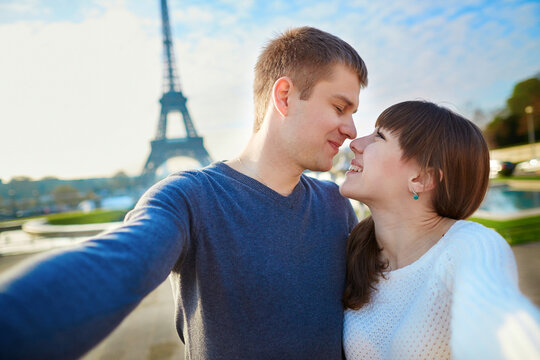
149,331
528,261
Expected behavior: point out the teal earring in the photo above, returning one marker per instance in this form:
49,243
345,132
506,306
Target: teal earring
415,195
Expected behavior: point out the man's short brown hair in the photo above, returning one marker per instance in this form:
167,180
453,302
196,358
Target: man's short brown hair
306,55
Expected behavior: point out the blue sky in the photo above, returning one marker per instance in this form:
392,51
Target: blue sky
81,80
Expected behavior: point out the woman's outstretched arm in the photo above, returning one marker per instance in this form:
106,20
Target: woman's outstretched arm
491,318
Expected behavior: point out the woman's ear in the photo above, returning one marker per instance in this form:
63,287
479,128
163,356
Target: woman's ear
425,180
280,95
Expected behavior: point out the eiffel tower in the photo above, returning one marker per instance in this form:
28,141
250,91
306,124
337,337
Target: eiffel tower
172,100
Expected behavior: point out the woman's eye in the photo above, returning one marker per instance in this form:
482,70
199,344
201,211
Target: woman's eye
379,134
339,110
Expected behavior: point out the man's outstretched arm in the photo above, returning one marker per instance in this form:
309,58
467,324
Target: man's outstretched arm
62,305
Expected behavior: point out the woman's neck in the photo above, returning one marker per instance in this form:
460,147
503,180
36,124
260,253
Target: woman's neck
404,239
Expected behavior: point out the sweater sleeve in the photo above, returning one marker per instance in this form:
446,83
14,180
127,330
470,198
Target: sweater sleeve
491,319
63,304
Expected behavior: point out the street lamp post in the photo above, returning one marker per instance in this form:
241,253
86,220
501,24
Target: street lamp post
11,194
530,125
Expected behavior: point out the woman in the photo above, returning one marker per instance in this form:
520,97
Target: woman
422,283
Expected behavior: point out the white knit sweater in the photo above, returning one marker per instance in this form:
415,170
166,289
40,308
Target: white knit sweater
460,300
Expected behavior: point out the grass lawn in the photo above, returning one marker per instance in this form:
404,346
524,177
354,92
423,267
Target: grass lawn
94,217
505,178
516,231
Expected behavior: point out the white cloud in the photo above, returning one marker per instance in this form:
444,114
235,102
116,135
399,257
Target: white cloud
279,5
320,10
239,5
193,15
454,60
23,7
82,98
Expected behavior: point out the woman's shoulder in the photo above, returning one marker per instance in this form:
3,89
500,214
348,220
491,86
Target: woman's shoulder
465,237
472,247
461,227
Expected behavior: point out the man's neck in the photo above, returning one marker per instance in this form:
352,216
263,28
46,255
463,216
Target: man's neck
268,164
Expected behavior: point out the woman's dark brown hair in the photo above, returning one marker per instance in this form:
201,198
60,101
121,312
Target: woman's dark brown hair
440,141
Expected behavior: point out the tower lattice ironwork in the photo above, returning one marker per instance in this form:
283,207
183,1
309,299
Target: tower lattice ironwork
172,100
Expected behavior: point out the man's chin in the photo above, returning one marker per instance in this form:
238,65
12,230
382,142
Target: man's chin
320,168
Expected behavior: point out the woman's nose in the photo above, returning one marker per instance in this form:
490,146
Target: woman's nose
358,145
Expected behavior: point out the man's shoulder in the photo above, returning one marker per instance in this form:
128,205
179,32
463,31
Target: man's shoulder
195,177
182,181
186,182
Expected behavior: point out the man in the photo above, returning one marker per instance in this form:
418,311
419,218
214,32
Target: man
255,249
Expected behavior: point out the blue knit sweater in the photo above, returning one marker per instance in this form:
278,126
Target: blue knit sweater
256,275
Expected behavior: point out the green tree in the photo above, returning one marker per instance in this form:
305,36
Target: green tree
120,181
502,131
22,186
509,127
526,93
66,195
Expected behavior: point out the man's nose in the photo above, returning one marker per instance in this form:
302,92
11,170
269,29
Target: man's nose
348,128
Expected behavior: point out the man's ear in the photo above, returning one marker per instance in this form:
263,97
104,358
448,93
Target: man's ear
280,95
425,180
